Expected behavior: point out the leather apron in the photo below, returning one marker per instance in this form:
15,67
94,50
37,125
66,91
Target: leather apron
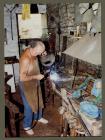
32,89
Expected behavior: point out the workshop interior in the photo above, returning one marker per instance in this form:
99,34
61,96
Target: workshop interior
72,84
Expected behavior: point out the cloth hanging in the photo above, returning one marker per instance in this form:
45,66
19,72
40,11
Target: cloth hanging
77,93
34,8
89,109
25,11
95,90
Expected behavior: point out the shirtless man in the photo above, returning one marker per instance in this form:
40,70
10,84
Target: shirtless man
29,84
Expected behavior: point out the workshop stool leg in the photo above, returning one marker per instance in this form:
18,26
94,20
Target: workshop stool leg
17,124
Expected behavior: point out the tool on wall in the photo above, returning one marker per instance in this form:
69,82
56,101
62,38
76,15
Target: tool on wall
5,36
10,10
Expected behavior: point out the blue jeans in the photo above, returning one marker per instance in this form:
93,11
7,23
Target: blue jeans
28,114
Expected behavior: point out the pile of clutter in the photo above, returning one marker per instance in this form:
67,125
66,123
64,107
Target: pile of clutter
90,108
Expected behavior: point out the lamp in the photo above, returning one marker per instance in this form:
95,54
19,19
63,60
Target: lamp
88,49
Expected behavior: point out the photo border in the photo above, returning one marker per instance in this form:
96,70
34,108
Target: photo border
2,105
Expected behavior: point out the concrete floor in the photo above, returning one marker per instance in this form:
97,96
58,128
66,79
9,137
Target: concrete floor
53,128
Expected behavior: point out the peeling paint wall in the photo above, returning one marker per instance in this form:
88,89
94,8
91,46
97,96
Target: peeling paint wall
11,48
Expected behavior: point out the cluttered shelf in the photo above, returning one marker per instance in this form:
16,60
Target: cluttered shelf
83,102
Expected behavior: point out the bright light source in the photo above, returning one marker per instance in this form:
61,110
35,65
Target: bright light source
54,76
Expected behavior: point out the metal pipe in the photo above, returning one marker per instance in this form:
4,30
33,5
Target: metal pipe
11,24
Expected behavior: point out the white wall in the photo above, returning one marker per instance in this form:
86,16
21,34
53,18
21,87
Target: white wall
11,48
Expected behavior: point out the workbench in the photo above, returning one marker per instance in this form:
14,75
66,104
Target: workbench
90,126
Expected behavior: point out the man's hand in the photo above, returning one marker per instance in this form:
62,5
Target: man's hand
38,77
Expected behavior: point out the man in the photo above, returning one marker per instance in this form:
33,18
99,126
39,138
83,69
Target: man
30,85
